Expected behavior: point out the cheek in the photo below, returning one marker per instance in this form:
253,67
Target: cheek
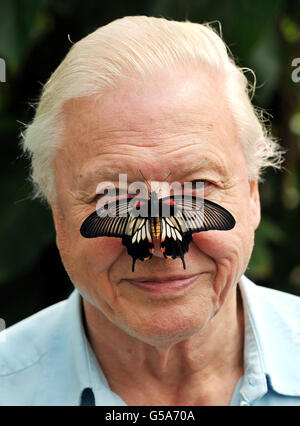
88,262
99,253
213,244
233,246
85,259
230,251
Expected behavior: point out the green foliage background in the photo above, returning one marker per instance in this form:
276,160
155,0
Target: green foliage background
34,38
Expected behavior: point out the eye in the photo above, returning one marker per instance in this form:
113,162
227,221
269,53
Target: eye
111,194
199,187
200,182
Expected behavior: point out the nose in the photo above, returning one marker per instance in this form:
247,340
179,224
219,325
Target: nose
157,251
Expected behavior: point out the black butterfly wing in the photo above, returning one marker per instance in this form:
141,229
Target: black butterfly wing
197,214
107,221
115,220
188,215
138,239
191,215
174,240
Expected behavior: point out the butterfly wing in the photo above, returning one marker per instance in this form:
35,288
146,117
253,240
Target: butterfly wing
174,240
191,215
107,221
137,239
115,220
188,215
199,214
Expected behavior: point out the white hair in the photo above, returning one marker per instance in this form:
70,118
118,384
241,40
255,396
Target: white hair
137,46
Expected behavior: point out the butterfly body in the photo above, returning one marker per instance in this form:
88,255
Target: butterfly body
155,227
167,222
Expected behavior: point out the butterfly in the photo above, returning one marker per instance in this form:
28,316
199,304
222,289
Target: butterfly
172,221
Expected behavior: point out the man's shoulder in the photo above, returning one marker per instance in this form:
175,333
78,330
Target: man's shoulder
25,343
38,359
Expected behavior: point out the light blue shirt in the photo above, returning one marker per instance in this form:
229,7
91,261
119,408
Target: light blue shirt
46,359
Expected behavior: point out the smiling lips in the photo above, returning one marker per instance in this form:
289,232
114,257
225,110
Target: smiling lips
166,284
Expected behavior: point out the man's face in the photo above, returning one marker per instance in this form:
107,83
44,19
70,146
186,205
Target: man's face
179,124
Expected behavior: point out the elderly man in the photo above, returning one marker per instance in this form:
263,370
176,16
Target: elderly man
156,100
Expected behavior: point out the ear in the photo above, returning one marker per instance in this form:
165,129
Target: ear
55,214
254,204
58,222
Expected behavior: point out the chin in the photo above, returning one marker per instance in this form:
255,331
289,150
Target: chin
171,325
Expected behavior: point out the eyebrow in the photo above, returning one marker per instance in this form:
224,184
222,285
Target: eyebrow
87,184
105,173
205,163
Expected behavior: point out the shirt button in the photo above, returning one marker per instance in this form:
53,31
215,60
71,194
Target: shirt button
244,403
251,381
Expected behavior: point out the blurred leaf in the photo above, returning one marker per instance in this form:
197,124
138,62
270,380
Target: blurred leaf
21,22
295,123
269,231
9,49
26,228
261,262
290,29
251,20
266,60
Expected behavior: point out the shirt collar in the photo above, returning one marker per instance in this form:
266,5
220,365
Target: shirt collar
66,371
87,368
272,350
69,364
272,340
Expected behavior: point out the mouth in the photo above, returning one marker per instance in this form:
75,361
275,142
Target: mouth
168,284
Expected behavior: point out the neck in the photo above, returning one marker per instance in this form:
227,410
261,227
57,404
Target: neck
202,369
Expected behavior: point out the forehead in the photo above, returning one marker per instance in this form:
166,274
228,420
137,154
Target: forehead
168,123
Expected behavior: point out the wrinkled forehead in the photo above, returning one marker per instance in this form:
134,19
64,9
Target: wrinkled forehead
166,124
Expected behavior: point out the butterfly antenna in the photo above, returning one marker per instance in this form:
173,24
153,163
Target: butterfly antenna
165,179
149,187
167,176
